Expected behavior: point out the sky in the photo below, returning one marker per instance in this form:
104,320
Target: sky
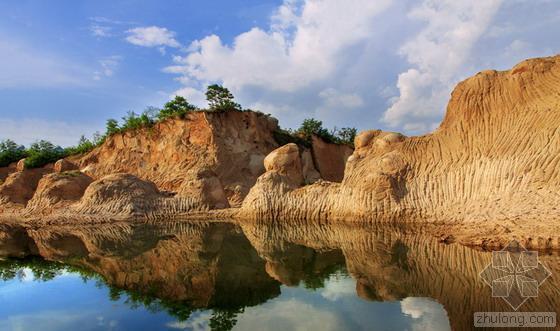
67,66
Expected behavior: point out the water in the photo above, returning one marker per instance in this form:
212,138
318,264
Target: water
221,276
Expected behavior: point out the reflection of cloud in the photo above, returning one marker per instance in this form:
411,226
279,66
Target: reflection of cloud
338,288
427,314
197,321
289,315
47,321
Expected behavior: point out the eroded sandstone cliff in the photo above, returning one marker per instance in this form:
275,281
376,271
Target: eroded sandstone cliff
493,165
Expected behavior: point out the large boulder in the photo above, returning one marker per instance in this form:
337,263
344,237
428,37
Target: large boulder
286,161
119,194
63,165
204,186
57,190
19,187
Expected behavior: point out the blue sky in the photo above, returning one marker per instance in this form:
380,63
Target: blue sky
67,66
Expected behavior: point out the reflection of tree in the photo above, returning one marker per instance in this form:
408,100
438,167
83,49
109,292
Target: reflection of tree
399,255
315,280
224,319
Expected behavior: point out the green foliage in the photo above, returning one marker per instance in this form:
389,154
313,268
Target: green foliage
41,153
284,137
10,152
346,135
132,121
84,145
220,99
311,126
177,107
112,127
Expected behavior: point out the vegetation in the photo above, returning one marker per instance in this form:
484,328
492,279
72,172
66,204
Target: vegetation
220,99
41,153
311,127
177,107
10,152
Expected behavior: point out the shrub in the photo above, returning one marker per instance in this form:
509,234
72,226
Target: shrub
220,99
112,127
10,152
84,146
284,137
41,153
311,126
346,135
177,107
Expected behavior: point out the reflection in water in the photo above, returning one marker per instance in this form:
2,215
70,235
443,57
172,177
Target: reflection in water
221,276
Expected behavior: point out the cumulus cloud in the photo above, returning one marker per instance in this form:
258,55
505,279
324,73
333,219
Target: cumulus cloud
335,60
152,36
426,313
108,65
437,55
301,46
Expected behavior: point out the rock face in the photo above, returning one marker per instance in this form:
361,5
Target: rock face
330,158
58,190
206,186
19,187
232,145
496,156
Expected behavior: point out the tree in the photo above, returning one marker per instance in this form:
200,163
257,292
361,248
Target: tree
41,153
84,146
10,152
220,99
311,126
176,107
347,135
112,127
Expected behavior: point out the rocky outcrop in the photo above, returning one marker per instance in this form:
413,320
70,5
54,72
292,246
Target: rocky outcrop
204,186
330,158
495,157
19,187
64,165
58,190
232,145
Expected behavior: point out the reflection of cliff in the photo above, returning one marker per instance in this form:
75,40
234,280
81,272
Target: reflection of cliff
392,264
208,265
225,266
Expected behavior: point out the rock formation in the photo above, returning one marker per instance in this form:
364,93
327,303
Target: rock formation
493,166
58,190
232,145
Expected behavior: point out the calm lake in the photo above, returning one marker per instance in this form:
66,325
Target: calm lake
223,276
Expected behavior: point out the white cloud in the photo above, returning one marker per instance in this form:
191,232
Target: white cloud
152,36
426,313
302,46
108,65
336,99
27,131
192,95
291,314
100,30
437,56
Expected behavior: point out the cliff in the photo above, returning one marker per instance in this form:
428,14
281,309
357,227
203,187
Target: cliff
490,171
198,163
